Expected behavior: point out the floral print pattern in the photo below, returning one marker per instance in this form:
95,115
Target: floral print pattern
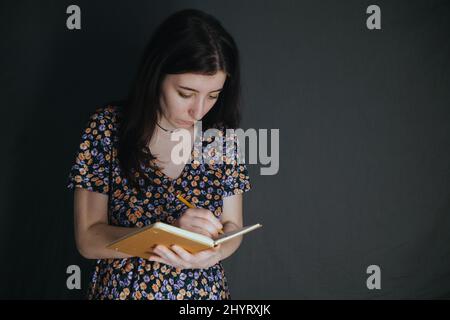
96,168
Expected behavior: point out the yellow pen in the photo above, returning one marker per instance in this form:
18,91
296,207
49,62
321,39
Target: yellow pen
190,205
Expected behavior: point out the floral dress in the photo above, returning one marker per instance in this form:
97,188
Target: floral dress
96,168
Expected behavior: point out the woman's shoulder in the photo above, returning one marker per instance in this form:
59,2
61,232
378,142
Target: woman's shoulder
105,120
108,113
102,127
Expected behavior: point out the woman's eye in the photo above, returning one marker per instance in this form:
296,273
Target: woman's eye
188,96
184,96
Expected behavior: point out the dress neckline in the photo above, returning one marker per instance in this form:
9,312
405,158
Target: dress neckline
182,173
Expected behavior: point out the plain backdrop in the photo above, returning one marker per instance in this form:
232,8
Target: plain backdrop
364,140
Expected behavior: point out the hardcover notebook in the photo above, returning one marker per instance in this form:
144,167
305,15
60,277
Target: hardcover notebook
139,243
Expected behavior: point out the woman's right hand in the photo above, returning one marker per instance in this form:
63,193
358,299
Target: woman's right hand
201,221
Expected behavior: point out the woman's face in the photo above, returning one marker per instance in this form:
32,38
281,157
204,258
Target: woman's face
186,98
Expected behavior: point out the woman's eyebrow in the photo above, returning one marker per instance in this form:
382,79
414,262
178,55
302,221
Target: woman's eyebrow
187,88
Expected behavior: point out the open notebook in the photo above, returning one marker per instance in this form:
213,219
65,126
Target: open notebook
139,243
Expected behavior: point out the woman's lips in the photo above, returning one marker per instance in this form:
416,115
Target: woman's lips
185,123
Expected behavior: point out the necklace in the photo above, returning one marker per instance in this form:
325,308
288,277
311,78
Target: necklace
166,130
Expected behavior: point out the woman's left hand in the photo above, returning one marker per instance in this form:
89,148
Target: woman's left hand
180,258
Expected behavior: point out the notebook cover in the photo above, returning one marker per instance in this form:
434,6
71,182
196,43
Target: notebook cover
141,242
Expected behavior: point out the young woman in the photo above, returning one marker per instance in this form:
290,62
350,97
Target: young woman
124,175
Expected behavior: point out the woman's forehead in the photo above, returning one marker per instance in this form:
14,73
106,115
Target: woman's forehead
198,82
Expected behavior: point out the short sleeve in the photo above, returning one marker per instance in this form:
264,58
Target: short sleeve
93,156
236,179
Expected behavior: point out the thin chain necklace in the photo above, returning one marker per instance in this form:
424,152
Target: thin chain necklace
166,130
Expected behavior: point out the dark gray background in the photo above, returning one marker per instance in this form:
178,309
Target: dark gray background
364,151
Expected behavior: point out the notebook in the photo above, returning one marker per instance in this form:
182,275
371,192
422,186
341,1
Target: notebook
139,243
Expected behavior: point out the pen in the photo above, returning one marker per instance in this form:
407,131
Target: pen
190,205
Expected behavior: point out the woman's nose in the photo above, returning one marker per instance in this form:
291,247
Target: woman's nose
196,111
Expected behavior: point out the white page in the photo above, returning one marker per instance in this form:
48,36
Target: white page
229,235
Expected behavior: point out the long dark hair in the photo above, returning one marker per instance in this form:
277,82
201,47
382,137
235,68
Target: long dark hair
188,41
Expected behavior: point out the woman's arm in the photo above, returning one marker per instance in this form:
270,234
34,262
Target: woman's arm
231,220
92,231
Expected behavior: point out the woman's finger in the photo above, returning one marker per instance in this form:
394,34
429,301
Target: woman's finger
200,230
207,215
169,255
158,259
206,225
185,255
207,254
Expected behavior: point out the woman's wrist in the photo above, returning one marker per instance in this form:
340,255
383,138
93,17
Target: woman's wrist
220,253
